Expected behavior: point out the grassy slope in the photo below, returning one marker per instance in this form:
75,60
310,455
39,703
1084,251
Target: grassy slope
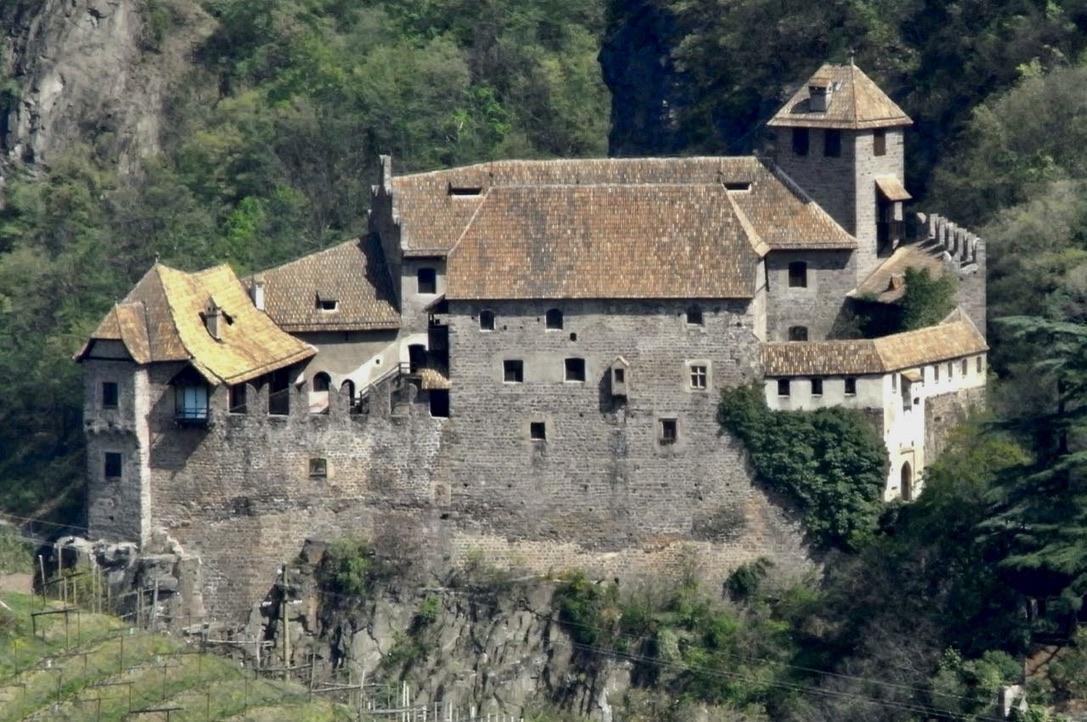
39,680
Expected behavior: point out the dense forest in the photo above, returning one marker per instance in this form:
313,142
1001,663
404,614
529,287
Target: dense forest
268,144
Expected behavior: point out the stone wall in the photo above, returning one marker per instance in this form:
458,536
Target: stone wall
946,411
965,254
831,275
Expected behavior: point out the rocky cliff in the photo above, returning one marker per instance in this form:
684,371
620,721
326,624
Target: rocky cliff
91,71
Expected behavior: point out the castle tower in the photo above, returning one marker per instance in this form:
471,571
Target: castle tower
841,140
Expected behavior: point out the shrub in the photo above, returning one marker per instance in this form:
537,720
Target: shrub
927,299
831,463
348,567
15,554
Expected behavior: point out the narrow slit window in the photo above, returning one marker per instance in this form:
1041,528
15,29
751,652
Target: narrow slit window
964,367
879,142
109,395
537,431
513,371
980,364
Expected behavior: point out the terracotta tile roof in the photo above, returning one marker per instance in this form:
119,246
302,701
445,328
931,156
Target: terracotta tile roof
161,320
955,338
856,102
353,274
604,241
892,189
433,218
434,379
887,284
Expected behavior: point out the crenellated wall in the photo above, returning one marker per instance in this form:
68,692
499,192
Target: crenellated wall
965,254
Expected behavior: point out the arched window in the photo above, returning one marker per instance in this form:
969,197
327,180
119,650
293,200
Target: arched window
347,388
554,320
798,274
321,382
486,320
907,482
798,333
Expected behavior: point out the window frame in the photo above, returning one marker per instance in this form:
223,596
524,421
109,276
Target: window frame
879,142
118,460
801,141
115,389
431,282
318,467
576,361
514,367
832,148
798,274
196,413
698,371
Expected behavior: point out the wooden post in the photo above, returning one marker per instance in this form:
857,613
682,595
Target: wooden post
41,566
312,664
286,627
154,605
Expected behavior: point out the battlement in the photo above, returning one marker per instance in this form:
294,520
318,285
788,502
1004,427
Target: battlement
960,245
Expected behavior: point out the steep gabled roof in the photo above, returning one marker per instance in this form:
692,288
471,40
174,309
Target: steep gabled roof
352,273
161,319
605,241
954,338
436,209
856,103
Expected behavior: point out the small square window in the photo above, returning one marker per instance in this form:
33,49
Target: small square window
783,387
428,280
575,369
669,431
318,468
113,465
694,316
238,399
817,387
879,142
851,386
553,320
800,141
513,371
699,376
832,143
109,395
537,431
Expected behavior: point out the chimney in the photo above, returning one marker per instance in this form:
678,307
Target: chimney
819,92
213,316
256,291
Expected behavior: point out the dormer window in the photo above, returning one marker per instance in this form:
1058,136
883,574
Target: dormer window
327,304
819,94
464,191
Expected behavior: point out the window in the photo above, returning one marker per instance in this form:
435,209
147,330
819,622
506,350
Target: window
669,431
109,395
318,468
620,375
237,399
894,382
553,320
817,387
694,316
798,274
964,367
321,382
851,387
800,141
191,404
980,363
879,142
575,369
832,143
327,304
279,393
439,403
936,372
950,371
113,465
513,371
699,376
486,320
537,431
798,333
428,280
783,387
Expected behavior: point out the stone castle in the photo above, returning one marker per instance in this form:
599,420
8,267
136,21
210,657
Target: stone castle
523,359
